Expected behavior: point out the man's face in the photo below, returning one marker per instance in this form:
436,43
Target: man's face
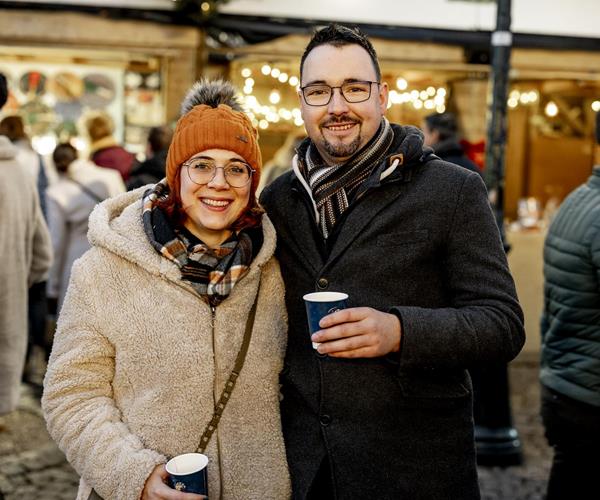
339,129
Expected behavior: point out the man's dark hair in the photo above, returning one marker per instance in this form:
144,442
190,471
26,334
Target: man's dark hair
444,123
63,156
3,90
160,138
338,36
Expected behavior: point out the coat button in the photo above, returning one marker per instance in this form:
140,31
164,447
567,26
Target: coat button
325,420
322,283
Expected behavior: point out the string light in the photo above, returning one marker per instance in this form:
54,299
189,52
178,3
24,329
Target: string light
596,106
262,116
274,97
551,109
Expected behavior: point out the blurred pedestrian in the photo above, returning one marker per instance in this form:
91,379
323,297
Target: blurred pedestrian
152,170
570,327
383,407
104,149
13,127
81,186
440,132
282,159
179,296
26,253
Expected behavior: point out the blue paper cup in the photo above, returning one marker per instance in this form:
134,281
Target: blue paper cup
188,473
319,305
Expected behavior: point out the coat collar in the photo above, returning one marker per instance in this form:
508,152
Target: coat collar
407,153
116,226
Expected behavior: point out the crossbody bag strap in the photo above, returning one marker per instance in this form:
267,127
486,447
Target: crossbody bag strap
87,190
230,384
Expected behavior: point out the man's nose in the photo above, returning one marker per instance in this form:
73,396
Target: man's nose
337,105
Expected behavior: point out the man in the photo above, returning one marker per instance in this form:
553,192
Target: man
440,132
26,257
382,409
570,326
152,169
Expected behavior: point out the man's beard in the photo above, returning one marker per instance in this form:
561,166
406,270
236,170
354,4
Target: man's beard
340,150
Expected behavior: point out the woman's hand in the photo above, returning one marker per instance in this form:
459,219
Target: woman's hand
156,488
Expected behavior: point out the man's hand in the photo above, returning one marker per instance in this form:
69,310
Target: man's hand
157,489
360,332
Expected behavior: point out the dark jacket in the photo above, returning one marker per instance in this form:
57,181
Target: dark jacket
451,151
422,244
115,157
570,323
149,171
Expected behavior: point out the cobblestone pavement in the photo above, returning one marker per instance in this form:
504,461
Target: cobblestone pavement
32,467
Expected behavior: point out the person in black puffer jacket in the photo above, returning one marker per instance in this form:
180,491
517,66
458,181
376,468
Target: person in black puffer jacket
152,170
570,327
441,134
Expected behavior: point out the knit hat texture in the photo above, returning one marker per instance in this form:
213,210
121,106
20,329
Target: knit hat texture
209,121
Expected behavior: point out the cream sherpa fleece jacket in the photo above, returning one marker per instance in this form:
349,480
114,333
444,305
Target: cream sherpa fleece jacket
139,361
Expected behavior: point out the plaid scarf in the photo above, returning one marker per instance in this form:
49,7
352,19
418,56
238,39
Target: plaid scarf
212,272
334,186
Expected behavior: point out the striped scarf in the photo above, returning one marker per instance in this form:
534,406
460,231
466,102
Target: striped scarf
333,186
212,272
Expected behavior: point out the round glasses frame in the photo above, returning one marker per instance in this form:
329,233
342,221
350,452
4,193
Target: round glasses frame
345,85
251,171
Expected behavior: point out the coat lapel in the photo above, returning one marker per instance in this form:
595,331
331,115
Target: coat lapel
361,216
300,231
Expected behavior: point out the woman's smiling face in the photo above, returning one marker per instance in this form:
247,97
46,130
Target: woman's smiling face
212,208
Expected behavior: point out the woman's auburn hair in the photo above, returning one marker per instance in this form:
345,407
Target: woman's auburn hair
171,205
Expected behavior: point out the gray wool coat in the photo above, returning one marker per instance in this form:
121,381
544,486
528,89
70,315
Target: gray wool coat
26,253
423,244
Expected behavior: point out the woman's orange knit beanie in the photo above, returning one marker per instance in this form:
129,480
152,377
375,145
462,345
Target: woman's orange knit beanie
212,118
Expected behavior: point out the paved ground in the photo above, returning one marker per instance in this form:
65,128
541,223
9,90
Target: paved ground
32,467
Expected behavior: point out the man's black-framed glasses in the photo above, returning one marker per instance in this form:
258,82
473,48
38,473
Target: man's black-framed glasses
320,94
201,171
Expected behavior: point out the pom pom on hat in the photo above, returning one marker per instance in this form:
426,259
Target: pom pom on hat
212,118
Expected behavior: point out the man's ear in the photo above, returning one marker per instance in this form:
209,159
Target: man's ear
383,97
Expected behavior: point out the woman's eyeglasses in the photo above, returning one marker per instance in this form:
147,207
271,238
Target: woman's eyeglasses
201,171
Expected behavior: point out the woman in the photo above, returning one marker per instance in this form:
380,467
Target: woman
70,201
104,149
155,316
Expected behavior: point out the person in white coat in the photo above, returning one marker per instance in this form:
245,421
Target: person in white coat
180,286
26,256
70,201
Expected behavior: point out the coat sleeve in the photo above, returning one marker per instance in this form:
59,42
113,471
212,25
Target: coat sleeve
78,403
41,257
484,323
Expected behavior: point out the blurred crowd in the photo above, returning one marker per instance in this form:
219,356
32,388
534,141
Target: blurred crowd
68,184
